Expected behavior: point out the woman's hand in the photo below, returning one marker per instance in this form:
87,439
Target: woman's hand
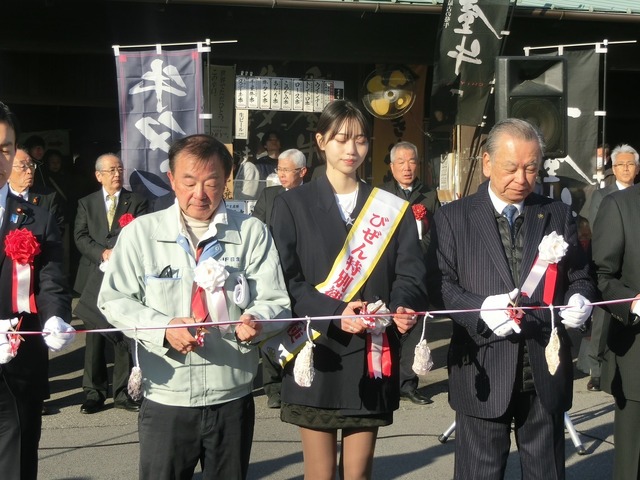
404,319
352,325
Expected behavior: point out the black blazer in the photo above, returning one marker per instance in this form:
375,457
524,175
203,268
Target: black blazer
264,204
92,233
616,253
482,368
309,233
27,374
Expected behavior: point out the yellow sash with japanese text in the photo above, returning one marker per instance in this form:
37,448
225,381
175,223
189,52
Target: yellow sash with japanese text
365,244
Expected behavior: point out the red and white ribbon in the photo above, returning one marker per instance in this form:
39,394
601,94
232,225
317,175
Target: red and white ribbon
378,355
22,292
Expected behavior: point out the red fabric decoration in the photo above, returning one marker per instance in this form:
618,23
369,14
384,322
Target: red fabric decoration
125,220
419,211
21,246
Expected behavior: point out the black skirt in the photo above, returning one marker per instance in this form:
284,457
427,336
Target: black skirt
330,419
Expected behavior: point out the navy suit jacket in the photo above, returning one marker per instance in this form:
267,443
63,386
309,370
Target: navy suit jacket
27,374
482,366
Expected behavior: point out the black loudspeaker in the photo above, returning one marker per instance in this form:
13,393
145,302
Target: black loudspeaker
535,89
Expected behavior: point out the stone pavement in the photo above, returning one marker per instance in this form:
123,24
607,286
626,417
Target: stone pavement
104,446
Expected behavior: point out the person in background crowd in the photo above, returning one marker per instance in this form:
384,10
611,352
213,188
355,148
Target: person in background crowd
625,166
192,262
292,167
406,185
616,254
36,146
31,231
97,226
310,226
499,371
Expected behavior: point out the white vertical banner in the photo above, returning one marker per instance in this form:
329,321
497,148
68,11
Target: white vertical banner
287,94
241,92
265,93
318,96
242,124
308,95
298,95
276,93
253,92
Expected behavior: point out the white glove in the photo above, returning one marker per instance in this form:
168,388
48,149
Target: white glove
59,335
499,320
577,312
5,347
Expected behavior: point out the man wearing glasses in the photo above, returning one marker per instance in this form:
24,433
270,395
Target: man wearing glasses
625,165
96,230
21,185
292,167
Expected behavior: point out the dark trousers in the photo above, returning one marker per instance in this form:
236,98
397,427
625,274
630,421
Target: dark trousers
599,330
627,441
174,439
20,428
408,378
95,381
271,376
482,445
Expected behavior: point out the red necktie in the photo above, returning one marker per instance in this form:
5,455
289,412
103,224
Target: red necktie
198,301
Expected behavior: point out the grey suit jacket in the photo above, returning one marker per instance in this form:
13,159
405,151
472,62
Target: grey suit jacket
596,200
616,253
482,366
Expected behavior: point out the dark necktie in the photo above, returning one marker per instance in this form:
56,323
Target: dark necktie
511,212
407,193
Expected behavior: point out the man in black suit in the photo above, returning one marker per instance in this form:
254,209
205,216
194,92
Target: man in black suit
499,370
21,185
292,167
405,184
616,253
625,166
96,230
24,373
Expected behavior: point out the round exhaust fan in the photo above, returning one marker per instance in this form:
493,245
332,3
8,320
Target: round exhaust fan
389,94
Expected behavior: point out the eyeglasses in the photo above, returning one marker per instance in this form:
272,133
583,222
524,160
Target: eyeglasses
625,165
112,171
286,170
23,167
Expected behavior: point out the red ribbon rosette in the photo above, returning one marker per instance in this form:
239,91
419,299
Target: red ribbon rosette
125,220
419,211
21,246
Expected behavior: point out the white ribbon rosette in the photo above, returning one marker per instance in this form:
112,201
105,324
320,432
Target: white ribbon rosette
210,275
552,248
378,353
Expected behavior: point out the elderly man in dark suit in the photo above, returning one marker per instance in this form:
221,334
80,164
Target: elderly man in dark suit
625,166
31,249
499,369
97,225
292,167
21,185
616,253
406,184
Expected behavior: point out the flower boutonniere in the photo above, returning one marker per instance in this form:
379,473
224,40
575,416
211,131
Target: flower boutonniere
125,220
551,250
420,214
210,298
21,246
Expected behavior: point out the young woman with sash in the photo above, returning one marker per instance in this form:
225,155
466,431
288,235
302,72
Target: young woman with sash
343,245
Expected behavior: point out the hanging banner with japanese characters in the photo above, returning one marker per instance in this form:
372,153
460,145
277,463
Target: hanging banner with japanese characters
468,40
220,98
160,99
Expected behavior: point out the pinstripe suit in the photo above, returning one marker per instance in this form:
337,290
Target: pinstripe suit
484,369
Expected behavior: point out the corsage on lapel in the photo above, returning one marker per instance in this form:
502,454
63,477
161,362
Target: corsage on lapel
21,246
